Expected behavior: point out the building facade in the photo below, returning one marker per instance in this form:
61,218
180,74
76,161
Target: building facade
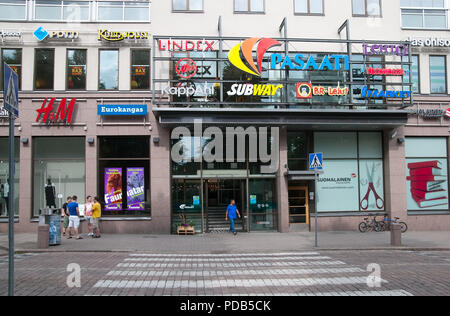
112,91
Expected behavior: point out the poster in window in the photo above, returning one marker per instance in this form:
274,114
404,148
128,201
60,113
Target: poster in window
427,184
113,189
338,187
140,71
77,71
371,185
136,189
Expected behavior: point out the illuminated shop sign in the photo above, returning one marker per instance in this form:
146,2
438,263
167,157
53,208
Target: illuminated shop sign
63,114
121,109
5,34
385,71
41,34
385,49
307,91
245,50
185,45
113,36
377,94
254,89
297,62
429,42
186,68
184,89
431,113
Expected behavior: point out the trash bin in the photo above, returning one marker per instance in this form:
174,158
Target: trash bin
54,223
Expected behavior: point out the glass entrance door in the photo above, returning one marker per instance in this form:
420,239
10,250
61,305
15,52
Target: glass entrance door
298,205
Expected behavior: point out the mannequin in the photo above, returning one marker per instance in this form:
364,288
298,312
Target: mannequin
5,193
50,193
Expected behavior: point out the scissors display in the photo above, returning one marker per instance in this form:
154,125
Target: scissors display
379,202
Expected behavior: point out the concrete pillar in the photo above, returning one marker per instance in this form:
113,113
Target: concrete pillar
124,69
26,207
27,69
282,185
160,180
92,69
60,69
395,174
91,166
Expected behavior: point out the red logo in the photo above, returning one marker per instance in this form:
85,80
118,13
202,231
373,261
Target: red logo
304,90
447,113
63,114
186,68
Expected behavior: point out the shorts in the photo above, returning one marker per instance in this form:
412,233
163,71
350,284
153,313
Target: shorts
66,222
89,219
96,222
74,222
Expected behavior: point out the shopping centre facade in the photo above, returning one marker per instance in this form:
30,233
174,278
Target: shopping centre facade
107,101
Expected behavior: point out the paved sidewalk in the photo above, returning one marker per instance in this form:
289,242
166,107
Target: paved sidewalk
242,243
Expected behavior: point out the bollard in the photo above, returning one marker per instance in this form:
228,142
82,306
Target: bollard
43,236
396,235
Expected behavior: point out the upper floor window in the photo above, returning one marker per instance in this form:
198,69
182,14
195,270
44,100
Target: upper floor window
44,66
424,14
13,57
366,7
76,69
249,6
312,7
137,11
46,10
438,74
13,9
109,69
187,5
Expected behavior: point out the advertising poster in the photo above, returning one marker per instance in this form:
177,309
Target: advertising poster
136,189
338,187
113,189
371,185
426,184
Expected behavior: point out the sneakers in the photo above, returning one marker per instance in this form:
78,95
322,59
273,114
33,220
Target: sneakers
90,234
235,233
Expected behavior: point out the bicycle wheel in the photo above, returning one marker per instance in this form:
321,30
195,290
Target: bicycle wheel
377,227
403,227
383,226
363,227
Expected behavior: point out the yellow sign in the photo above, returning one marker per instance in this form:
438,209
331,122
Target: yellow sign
120,36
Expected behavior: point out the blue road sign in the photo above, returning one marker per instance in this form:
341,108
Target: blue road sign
316,161
11,90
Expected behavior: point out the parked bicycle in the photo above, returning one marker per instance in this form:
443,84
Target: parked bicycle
387,222
370,224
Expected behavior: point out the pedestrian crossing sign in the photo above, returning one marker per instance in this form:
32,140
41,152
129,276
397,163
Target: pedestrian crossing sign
11,91
316,161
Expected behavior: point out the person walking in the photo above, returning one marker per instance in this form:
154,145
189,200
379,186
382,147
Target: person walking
88,215
96,214
74,218
232,214
65,214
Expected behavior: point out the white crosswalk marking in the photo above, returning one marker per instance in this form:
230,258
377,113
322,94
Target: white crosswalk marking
286,274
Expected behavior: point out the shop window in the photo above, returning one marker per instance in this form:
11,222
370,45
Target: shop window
263,205
44,65
426,173
109,70
186,192
297,150
438,74
414,68
76,69
249,6
140,69
59,171
129,11
13,10
366,8
124,175
353,167
309,7
4,176
187,5
424,14
13,57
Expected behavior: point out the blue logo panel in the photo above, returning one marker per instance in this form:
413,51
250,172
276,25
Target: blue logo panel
40,33
122,109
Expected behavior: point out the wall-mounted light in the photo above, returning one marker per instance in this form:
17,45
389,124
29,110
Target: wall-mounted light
155,140
85,128
24,140
90,141
400,140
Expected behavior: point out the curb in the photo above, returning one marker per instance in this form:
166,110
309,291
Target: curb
413,249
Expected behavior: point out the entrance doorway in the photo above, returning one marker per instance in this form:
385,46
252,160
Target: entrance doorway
298,205
218,194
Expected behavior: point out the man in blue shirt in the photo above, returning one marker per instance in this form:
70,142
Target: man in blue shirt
74,217
232,213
